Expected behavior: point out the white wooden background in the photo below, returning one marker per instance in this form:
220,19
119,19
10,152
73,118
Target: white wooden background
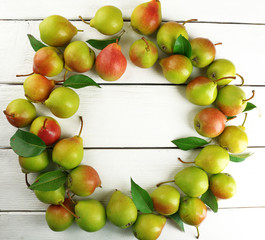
129,124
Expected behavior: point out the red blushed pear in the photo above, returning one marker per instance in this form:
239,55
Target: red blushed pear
146,17
210,122
47,128
111,63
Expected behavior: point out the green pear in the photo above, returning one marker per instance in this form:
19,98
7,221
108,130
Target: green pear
121,210
223,185
221,68
193,181
34,164
78,57
167,35
20,112
165,200
63,102
107,20
56,31
176,68
148,226
212,159
92,215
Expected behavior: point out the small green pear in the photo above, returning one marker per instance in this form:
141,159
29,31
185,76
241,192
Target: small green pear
193,181
121,210
56,31
63,102
92,215
148,226
212,159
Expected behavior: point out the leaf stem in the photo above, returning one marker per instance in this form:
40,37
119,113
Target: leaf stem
184,161
26,180
84,20
242,79
69,210
198,233
165,182
253,94
24,75
82,123
190,20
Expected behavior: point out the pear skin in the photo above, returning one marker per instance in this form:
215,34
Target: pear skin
51,197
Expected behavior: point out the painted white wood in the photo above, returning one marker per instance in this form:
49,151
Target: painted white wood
240,45
134,116
222,11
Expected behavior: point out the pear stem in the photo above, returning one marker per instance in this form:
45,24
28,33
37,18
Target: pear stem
198,233
84,20
147,44
165,182
184,161
81,128
190,20
253,94
219,43
24,75
71,197
64,76
244,120
79,30
26,180
68,210
242,79
219,79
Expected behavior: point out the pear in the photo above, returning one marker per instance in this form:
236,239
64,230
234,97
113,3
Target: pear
48,61
69,152
107,20
121,210
63,102
111,63
148,226
167,35
146,17
92,215
165,200
78,57
20,112
193,181
83,180
212,159
56,31
176,68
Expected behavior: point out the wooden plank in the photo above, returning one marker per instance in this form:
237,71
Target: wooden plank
225,11
226,224
146,167
236,46
134,116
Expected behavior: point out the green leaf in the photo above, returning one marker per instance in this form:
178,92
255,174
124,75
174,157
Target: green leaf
249,106
100,44
210,200
141,198
27,144
182,46
79,81
36,44
230,117
189,143
239,158
176,218
49,181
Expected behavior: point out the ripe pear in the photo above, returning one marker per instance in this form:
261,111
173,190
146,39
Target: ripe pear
176,68
56,31
78,57
68,152
203,52
63,102
48,61
107,20
210,122
148,226
167,35
58,218
221,68
83,180
34,164
146,17
92,215
166,200
212,159
20,112
223,185
143,53
111,63
193,181
121,210
37,88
